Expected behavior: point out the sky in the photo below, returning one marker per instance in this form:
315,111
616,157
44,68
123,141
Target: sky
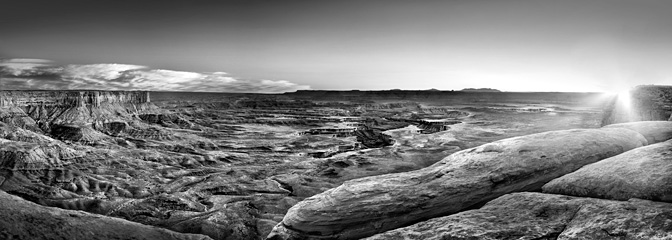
288,45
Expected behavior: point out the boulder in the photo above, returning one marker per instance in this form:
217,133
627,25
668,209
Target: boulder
640,173
21,219
546,216
653,131
465,179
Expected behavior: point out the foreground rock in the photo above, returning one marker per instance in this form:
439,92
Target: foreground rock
363,207
640,173
546,216
653,131
20,219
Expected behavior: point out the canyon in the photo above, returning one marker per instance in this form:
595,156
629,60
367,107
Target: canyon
302,165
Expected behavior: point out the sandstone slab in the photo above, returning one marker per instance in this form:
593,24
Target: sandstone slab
644,172
653,131
546,216
366,206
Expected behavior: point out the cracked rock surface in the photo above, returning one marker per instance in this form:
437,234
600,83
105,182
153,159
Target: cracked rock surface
644,173
546,216
366,206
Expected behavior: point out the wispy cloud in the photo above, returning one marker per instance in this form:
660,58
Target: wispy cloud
45,74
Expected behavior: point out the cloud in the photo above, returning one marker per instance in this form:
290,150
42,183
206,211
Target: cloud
44,74
98,71
24,67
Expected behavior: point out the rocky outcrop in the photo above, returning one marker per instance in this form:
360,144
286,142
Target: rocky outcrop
16,117
80,134
373,138
643,103
653,131
31,156
640,173
366,206
70,98
85,117
77,108
20,219
26,169
546,216
166,120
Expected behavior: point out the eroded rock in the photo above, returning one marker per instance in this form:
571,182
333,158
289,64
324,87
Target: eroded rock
80,134
21,219
546,216
366,206
640,173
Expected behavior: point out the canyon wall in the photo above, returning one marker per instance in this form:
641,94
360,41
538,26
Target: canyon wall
64,113
70,98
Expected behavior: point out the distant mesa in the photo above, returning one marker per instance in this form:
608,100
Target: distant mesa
480,90
429,90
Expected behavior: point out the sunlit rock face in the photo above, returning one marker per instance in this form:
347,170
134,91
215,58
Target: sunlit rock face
643,103
546,216
73,109
644,173
653,131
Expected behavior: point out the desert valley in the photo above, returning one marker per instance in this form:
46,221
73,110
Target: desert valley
350,164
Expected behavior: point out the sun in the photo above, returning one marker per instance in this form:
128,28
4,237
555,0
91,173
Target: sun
623,102
622,94
624,97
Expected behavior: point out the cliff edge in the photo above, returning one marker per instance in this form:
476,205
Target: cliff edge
81,113
19,98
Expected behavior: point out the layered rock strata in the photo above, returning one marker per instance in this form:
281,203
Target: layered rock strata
70,98
366,206
640,173
76,116
77,108
546,216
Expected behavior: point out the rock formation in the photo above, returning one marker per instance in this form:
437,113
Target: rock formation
83,117
653,131
73,108
373,138
640,173
366,206
23,220
546,216
70,98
